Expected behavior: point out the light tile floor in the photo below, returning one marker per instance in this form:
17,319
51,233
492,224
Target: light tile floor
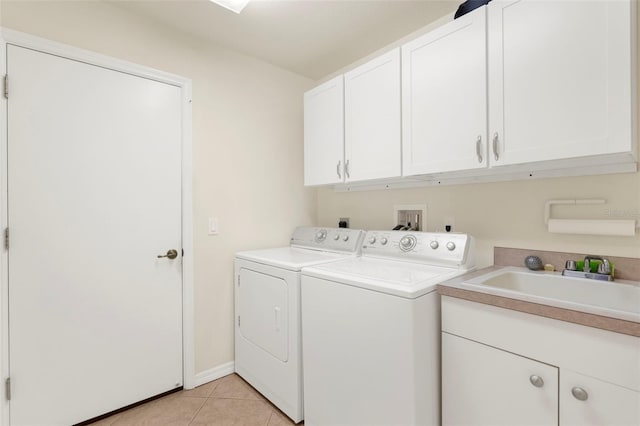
228,401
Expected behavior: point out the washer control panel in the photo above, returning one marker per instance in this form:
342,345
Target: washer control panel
446,249
329,239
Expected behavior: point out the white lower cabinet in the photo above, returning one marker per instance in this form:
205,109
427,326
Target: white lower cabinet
482,385
588,401
503,367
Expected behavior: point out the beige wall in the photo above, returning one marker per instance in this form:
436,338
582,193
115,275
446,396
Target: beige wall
507,214
247,140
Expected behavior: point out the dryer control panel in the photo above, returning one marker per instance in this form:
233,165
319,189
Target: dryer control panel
440,249
341,240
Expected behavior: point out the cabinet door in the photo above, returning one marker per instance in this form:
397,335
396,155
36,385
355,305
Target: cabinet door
605,403
482,385
324,133
372,119
444,98
560,78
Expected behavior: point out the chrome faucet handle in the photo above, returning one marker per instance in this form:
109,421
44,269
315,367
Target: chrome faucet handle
587,263
604,266
571,265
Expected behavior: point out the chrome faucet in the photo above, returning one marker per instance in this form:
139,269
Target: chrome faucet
605,268
603,274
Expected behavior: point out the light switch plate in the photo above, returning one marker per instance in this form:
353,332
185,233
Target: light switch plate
213,226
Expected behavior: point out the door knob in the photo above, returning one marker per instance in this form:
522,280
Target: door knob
171,254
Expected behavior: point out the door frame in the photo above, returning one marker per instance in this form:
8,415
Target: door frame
46,46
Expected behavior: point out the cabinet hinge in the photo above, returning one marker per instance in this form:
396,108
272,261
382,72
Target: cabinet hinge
238,280
6,238
238,320
6,86
7,388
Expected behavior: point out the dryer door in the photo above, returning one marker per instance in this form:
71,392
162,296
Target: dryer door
264,311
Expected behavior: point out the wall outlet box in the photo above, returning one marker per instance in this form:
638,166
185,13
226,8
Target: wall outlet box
409,212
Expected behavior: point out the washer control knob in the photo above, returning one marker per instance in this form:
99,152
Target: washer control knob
383,241
336,237
372,240
434,244
451,246
345,238
407,243
321,235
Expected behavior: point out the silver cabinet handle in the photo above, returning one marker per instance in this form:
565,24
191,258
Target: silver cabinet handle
171,254
536,381
495,146
346,169
479,148
338,169
579,394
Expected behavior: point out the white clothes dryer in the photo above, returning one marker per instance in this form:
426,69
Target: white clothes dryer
267,308
371,330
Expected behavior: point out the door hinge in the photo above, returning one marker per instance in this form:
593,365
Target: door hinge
238,320
7,388
6,86
238,280
6,238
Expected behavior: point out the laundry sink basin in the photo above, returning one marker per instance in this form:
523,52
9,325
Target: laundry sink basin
618,299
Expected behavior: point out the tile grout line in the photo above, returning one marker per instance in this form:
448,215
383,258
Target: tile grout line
203,404
198,411
269,419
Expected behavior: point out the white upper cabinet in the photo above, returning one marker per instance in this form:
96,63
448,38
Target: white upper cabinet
560,79
324,133
372,119
536,85
444,98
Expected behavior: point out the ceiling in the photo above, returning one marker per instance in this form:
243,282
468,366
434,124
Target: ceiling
312,38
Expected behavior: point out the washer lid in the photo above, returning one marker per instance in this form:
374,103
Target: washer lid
291,258
404,279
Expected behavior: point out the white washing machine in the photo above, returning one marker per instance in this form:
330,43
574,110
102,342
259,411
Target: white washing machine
267,308
371,330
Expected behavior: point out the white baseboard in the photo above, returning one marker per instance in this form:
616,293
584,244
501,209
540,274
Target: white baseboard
214,373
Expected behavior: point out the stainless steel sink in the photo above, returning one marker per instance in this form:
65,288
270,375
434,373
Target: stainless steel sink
619,299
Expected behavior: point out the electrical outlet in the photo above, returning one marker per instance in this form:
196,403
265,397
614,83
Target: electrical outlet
343,222
449,223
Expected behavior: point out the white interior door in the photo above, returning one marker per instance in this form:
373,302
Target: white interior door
94,196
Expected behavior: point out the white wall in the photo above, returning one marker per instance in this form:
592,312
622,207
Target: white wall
507,214
247,140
